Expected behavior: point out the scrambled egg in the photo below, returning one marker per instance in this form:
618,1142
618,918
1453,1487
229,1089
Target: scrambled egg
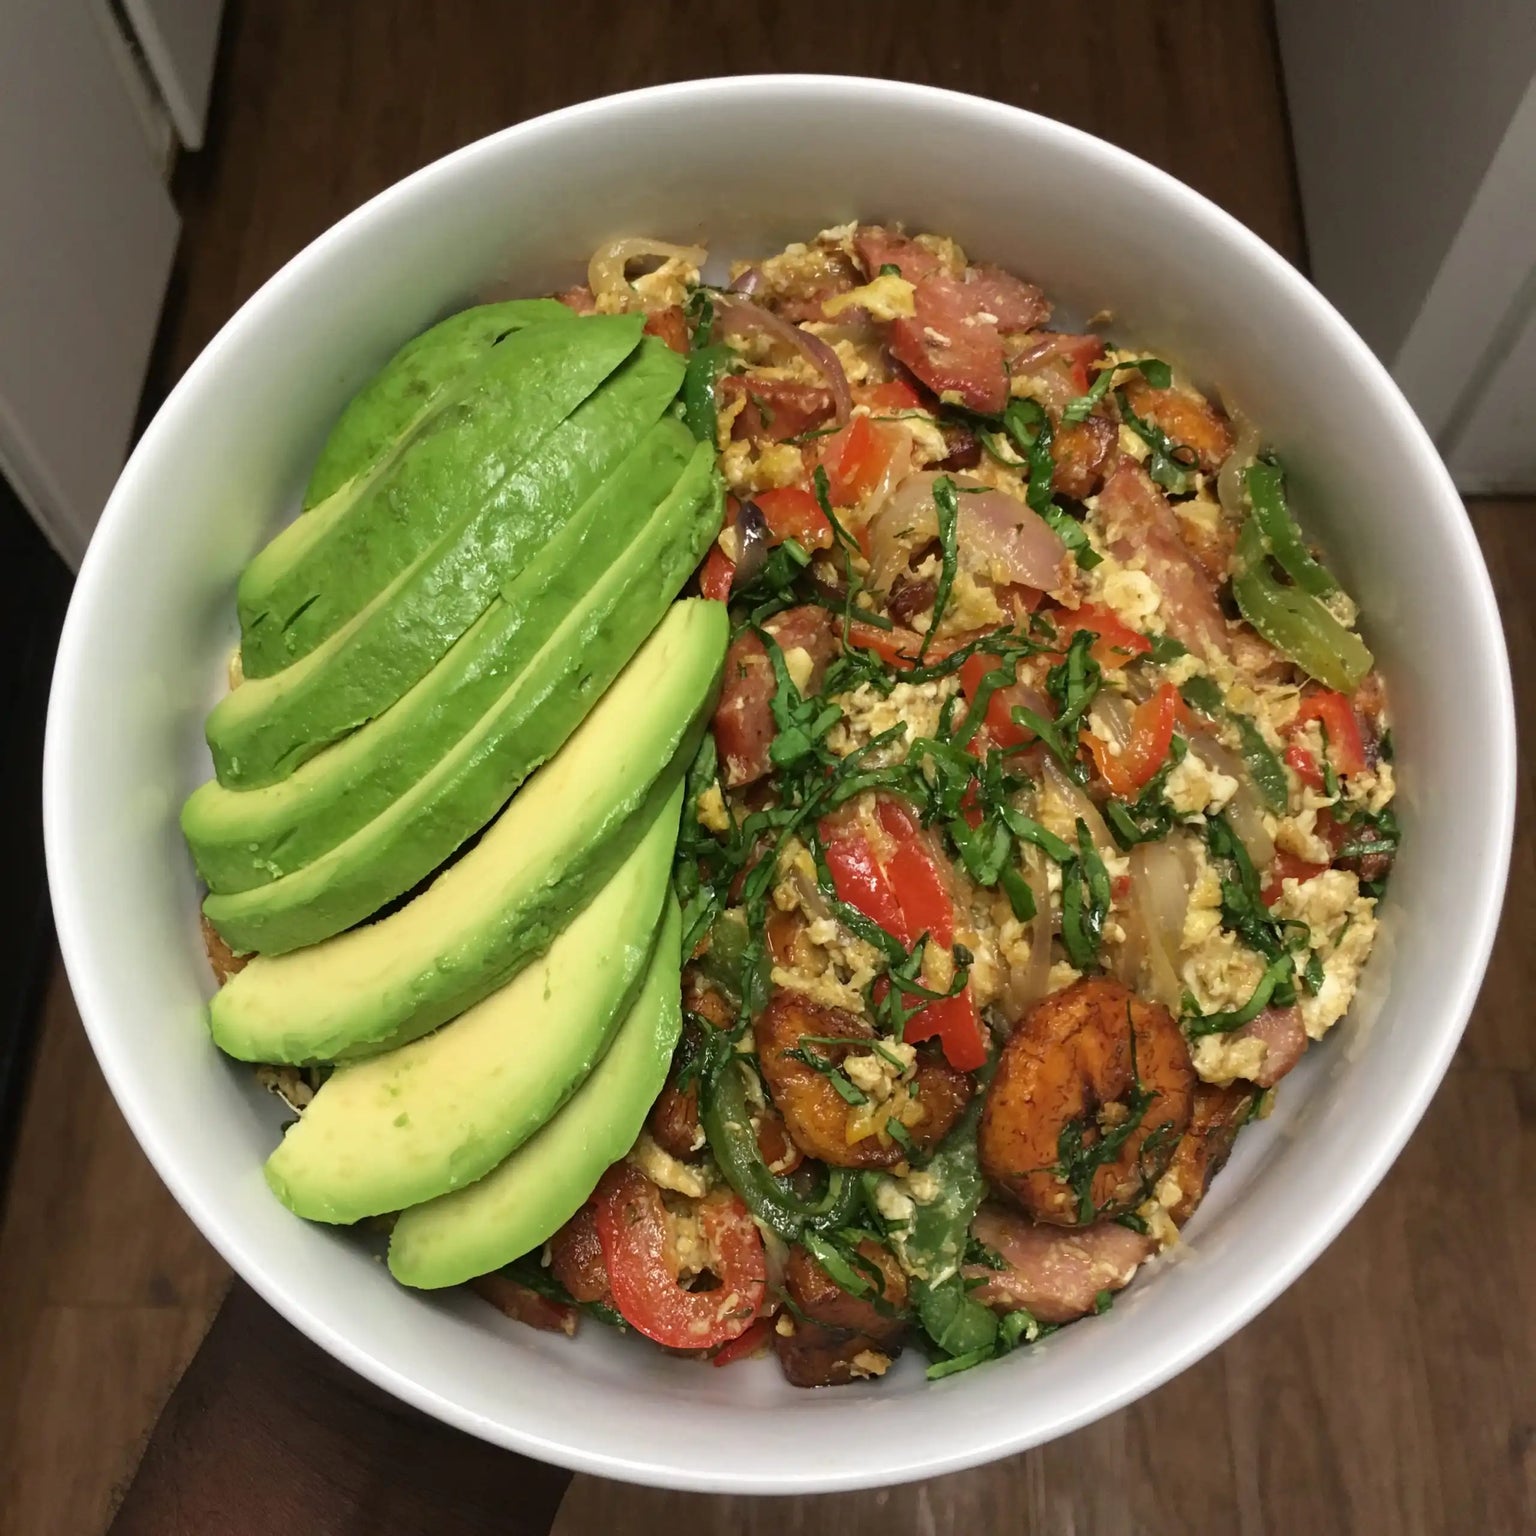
1343,927
712,813
1221,1059
1221,972
1194,788
749,468
867,713
886,298
666,1171
671,283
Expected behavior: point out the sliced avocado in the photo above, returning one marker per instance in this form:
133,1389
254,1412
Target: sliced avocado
630,546
412,384
523,1201
439,1113
318,572
471,781
268,726
487,914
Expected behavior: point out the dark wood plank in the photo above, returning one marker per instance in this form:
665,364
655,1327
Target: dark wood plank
1391,1389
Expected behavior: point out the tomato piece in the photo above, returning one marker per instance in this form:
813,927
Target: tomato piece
1117,644
632,1227
895,395
1305,765
1341,725
758,1336
859,880
855,457
1287,866
1147,748
669,325
792,512
715,575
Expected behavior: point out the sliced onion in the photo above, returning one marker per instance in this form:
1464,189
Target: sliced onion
1015,537
775,1257
747,283
996,533
1159,904
901,522
606,272
1024,988
751,545
1245,811
741,317
1229,481
1075,798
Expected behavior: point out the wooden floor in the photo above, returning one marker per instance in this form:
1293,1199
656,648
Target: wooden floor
1392,1389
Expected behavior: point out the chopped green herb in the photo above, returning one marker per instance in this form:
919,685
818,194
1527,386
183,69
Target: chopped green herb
1157,374
1170,464
947,509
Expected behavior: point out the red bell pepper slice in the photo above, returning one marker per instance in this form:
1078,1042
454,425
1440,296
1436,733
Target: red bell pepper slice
1147,748
908,897
789,512
1341,725
1001,728
860,881
1117,644
1305,765
632,1228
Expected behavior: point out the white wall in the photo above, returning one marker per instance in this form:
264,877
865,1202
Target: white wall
1414,124
1397,107
87,231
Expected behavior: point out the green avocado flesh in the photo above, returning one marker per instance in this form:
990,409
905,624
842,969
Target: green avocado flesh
485,916
524,1200
268,726
441,1112
414,383
526,724
631,543
318,572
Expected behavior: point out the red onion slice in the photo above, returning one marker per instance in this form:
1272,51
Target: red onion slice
751,545
741,317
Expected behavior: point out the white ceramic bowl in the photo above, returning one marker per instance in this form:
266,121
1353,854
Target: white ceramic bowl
747,164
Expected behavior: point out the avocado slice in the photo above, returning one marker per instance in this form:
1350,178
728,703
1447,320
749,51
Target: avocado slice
318,572
631,544
524,1200
439,1113
268,726
416,381
485,916
471,781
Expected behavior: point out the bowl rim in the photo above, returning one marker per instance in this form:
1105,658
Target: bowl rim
1353,1186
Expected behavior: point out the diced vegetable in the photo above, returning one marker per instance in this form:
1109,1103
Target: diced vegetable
1293,621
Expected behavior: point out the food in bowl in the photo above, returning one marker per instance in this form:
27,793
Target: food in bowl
897,959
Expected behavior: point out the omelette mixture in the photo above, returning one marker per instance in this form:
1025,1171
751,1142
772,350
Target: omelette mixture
1039,833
